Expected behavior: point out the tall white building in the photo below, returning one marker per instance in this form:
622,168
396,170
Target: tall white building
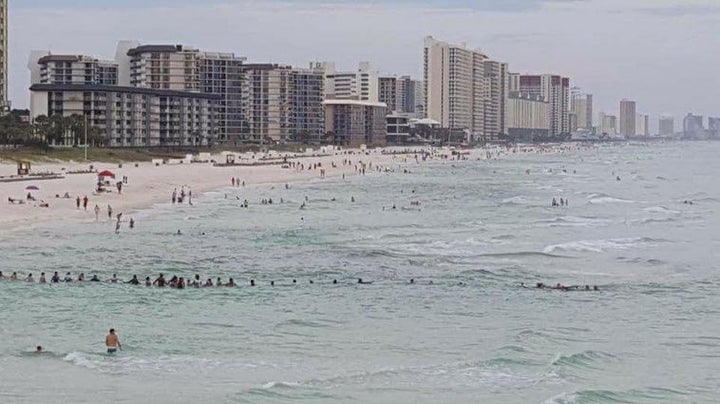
463,89
527,116
582,106
75,69
608,124
666,125
627,118
554,89
642,125
4,99
361,84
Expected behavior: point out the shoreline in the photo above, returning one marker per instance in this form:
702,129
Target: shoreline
149,184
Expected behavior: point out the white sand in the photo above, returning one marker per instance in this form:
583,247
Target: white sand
149,184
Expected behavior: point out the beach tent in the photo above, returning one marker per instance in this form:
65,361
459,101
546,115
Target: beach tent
106,173
32,188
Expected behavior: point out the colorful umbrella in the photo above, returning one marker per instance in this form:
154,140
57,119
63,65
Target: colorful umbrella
107,173
32,188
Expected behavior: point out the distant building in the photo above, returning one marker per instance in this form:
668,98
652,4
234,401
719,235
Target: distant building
693,126
666,125
454,77
361,84
355,122
555,90
713,127
398,129
527,116
642,125
76,69
608,124
388,92
582,106
132,116
284,103
409,95
496,92
627,118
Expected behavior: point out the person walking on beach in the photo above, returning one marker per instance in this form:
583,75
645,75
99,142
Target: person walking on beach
77,202
110,211
112,342
85,202
97,213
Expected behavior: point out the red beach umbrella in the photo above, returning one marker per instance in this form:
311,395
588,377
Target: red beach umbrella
107,173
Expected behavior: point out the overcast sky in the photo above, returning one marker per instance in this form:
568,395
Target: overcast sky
662,53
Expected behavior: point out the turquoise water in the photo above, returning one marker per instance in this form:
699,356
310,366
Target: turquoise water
463,332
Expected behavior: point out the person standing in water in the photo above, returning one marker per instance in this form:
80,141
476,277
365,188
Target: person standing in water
112,342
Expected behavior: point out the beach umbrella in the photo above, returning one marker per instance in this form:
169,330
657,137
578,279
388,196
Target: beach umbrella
32,188
107,173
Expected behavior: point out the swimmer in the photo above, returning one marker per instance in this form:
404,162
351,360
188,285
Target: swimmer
94,279
219,282
362,282
230,283
29,279
38,349
148,282
114,279
112,342
334,281
42,278
55,278
252,282
160,281
134,280
68,277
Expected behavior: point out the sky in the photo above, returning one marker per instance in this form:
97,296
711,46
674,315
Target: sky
661,53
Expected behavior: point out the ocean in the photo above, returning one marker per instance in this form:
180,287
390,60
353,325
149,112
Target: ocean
463,331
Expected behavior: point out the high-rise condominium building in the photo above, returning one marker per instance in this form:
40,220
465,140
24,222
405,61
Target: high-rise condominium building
627,118
693,125
608,124
582,106
76,69
355,122
527,116
182,68
496,92
666,125
284,103
642,125
555,90
4,100
462,91
361,84
388,92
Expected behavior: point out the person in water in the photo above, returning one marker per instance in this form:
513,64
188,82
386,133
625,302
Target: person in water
55,278
160,281
112,342
134,280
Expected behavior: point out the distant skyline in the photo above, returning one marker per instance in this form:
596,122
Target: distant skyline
659,53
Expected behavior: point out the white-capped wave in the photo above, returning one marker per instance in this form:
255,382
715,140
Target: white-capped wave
609,199
660,209
516,200
599,246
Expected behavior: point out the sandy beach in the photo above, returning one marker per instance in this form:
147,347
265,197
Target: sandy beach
148,183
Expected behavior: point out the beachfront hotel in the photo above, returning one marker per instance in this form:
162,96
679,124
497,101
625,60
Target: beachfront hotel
627,118
527,116
356,122
554,89
464,89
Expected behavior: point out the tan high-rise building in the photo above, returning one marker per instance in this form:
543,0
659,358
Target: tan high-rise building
642,125
463,89
627,118
4,101
582,106
556,91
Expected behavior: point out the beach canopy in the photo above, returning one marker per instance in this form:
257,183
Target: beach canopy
32,188
107,173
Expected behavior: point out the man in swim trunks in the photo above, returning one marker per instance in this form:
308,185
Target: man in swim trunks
112,342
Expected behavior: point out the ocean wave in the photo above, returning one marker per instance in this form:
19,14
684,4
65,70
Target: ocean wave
516,200
586,359
599,246
609,199
648,395
574,221
660,209
130,364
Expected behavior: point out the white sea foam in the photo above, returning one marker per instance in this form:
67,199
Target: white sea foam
660,209
608,199
599,246
516,200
